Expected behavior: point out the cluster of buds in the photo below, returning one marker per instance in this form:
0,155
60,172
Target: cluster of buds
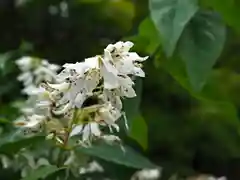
86,97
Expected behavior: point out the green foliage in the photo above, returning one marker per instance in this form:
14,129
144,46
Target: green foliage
186,113
114,153
170,18
42,172
139,131
201,36
229,10
148,32
137,125
12,143
147,38
200,46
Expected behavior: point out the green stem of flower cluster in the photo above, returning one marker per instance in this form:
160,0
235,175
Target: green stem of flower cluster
69,130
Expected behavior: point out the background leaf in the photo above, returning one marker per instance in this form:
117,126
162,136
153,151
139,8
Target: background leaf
12,143
170,18
139,131
200,46
229,9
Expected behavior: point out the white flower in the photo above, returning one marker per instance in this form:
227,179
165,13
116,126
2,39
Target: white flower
26,78
112,97
52,67
110,138
87,131
108,72
43,74
92,167
32,90
33,123
124,61
119,47
147,174
108,115
24,63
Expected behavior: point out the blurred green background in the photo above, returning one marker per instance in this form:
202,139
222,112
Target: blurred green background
186,118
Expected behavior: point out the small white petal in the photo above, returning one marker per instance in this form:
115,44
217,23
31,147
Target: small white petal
119,45
32,90
110,47
80,98
76,130
86,133
107,60
116,127
127,46
24,76
43,71
24,63
110,79
63,110
138,72
95,129
53,67
128,91
61,87
135,57
92,62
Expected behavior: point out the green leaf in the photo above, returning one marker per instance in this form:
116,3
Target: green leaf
210,94
139,131
170,18
114,153
229,9
42,172
147,39
148,31
200,46
11,144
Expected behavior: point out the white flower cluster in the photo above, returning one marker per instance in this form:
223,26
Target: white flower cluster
86,96
147,174
35,71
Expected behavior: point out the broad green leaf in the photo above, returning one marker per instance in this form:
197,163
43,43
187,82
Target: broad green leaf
11,144
170,18
200,46
42,172
229,9
177,70
114,153
210,94
139,131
